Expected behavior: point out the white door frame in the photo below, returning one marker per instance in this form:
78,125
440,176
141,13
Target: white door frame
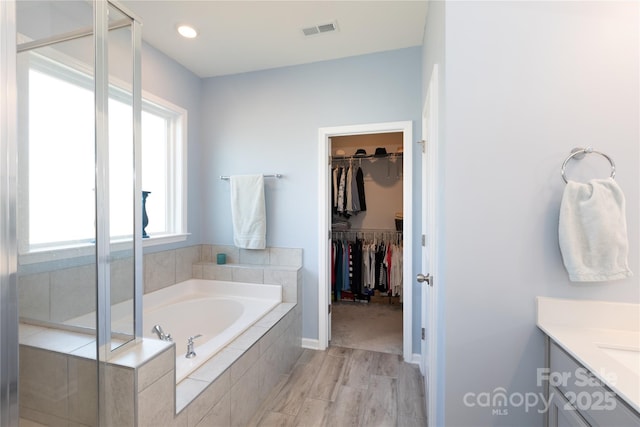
324,223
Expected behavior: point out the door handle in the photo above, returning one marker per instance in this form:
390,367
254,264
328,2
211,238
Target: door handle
421,278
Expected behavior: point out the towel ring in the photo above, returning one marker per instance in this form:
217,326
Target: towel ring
579,153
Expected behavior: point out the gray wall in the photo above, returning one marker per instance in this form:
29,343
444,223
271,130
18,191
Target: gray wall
525,83
267,122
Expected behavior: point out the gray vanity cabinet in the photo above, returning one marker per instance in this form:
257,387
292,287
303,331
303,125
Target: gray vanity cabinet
562,413
579,399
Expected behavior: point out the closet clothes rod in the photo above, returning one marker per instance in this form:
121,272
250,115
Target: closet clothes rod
367,157
368,230
273,175
390,235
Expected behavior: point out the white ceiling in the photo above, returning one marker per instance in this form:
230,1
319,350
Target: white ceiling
240,36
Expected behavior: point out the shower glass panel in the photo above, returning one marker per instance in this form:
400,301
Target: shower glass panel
78,207
56,216
56,176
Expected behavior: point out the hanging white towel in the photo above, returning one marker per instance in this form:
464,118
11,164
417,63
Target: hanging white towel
248,211
593,231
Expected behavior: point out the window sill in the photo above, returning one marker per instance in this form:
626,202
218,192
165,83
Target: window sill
56,254
164,239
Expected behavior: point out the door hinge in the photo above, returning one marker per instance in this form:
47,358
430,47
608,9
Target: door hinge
329,308
424,240
423,142
423,334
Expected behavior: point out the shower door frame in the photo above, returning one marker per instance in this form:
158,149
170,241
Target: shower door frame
9,408
9,339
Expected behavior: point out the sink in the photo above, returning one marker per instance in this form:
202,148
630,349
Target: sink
625,355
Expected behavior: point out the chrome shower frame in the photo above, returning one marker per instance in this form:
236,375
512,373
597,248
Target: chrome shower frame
9,409
9,342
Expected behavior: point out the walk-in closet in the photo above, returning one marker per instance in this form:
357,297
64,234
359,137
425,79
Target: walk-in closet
367,242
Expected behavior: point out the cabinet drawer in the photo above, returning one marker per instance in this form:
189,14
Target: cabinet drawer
597,403
561,413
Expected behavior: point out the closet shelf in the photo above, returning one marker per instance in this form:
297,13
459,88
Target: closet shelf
368,156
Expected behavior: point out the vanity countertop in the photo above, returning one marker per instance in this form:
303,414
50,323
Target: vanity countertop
603,336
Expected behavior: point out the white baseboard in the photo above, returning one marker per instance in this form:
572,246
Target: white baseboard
416,358
310,344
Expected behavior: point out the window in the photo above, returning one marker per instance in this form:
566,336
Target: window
60,181
164,169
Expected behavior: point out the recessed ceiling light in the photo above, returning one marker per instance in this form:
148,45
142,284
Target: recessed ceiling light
187,31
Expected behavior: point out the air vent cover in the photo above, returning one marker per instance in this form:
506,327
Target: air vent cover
327,27
310,31
320,28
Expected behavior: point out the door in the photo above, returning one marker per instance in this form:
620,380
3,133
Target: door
324,225
329,251
428,267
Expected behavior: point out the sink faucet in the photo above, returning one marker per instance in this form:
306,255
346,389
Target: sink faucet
158,330
190,353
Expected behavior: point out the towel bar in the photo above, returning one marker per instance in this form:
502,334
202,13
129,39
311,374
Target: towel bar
275,175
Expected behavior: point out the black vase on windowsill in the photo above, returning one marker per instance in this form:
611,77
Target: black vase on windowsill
145,218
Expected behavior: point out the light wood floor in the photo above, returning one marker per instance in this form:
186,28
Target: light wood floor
346,387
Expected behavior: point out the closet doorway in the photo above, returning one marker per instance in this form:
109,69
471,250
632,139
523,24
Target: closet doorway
365,265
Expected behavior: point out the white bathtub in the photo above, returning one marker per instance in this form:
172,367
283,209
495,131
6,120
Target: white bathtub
219,311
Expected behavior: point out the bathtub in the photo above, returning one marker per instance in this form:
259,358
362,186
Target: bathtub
219,311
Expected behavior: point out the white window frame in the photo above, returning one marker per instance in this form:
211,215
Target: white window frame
176,203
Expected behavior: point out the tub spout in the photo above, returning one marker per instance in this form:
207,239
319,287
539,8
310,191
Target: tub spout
190,353
157,329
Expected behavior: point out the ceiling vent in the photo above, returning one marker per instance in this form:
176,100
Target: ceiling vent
320,29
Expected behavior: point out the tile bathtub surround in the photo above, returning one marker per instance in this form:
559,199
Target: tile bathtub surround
290,278
166,268
232,385
52,382
290,257
272,266
58,385
245,371
46,295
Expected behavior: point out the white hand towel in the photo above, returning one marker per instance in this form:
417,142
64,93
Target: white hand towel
248,211
593,231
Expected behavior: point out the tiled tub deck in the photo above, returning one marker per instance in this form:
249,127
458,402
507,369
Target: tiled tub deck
58,377
58,373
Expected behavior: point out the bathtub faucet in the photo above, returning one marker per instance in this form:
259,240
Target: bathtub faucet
190,353
157,329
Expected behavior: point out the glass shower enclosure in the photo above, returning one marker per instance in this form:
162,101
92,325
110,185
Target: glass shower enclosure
78,204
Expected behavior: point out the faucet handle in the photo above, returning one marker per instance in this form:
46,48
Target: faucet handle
190,353
193,338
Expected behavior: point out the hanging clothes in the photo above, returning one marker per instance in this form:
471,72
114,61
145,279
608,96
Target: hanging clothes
341,190
396,271
360,188
347,187
361,266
